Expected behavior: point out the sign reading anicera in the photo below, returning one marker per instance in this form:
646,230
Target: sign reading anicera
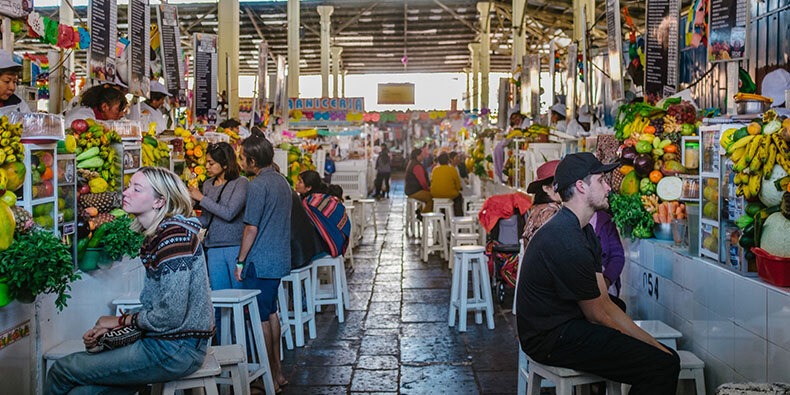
328,104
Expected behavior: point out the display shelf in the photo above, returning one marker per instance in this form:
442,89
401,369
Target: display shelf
38,194
67,201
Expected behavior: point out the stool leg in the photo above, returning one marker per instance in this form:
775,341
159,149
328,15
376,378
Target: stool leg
486,288
239,328
462,301
225,315
424,242
344,285
338,292
454,287
260,345
375,225
699,381
298,320
533,383
476,294
285,322
612,388
210,385
310,310
443,237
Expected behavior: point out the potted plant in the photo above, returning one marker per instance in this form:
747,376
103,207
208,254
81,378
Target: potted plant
119,240
35,263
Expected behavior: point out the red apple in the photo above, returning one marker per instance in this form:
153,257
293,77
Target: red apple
85,189
79,125
47,159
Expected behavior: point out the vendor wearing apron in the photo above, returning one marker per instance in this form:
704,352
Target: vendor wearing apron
9,76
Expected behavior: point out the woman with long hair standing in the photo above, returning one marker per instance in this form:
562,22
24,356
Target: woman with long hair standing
417,185
176,316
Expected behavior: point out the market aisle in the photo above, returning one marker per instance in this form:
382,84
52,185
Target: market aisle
395,338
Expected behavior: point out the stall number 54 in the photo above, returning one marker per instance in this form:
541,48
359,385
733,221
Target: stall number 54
650,283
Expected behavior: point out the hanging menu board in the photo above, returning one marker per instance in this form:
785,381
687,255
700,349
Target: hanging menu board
170,41
661,49
530,86
103,24
139,49
614,43
727,30
16,8
204,48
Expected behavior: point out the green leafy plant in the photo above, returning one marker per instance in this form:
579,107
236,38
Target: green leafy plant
629,214
35,263
119,240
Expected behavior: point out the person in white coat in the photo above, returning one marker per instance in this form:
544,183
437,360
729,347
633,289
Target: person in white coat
100,102
558,117
9,77
150,110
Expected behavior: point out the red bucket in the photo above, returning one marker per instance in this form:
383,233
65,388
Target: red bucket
772,268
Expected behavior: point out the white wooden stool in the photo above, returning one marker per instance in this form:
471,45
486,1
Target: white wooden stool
352,235
692,368
367,206
461,239
231,303
470,258
412,224
565,379
523,372
446,205
334,293
301,288
464,224
126,302
662,332
232,359
205,377
433,230
67,347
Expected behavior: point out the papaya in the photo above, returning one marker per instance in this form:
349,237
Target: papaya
672,167
15,175
7,226
630,184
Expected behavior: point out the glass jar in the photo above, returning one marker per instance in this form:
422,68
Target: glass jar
691,155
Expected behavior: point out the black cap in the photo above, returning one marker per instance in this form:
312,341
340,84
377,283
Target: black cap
575,167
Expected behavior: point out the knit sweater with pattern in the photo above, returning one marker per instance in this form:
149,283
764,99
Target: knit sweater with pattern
176,296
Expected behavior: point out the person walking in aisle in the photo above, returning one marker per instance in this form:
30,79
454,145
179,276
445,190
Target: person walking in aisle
383,171
176,314
564,314
265,252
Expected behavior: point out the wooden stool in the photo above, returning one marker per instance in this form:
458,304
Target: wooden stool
565,379
412,224
301,284
692,368
352,235
337,293
446,205
205,378
231,303
470,258
232,359
435,222
365,206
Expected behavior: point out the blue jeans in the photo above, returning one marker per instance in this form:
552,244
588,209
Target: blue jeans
222,267
126,369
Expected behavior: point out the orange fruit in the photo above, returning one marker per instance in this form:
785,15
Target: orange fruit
656,176
47,174
190,152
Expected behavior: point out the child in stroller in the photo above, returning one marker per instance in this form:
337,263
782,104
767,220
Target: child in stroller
503,217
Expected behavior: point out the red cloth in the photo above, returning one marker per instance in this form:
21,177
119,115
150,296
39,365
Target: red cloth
419,172
502,206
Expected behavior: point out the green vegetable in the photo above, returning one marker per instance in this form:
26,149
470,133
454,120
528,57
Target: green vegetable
753,208
629,214
647,187
739,134
627,113
671,101
150,141
96,239
688,129
92,163
743,221
746,241
120,240
87,154
644,147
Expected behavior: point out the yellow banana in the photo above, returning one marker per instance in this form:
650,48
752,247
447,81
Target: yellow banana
742,142
754,184
780,158
753,145
780,143
741,164
740,190
755,165
737,154
770,161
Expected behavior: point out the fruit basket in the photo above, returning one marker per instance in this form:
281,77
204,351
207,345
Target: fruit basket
40,128
772,268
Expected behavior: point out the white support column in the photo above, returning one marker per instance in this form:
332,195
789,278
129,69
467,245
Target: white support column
228,51
474,58
293,48
468,98
519,33
343,86
326,26
336,51
484,8
8,35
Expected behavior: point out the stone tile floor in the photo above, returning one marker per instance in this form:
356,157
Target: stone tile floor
395,338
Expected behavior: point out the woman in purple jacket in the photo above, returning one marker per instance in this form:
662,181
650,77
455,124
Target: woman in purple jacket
612,254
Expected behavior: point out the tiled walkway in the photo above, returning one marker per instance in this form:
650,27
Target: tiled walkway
395,338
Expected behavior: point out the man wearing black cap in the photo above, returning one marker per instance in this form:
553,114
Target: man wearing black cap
565,317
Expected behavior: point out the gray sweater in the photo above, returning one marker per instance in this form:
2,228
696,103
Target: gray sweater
228,223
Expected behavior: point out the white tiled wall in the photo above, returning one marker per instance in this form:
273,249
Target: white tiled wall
739,326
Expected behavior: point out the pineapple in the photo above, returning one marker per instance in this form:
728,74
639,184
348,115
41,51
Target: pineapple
104,202
24,220
616,180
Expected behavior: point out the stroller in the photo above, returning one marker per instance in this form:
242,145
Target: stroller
502,248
